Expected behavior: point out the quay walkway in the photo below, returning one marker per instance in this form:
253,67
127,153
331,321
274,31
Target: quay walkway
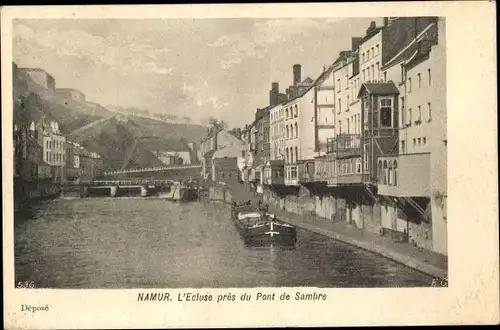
423,260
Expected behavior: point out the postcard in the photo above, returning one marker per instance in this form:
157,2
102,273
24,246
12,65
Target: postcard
230,165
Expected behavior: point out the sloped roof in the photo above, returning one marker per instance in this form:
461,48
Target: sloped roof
385,88
308,80
230,151
403,53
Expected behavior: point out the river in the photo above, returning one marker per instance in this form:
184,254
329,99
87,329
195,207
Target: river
154,243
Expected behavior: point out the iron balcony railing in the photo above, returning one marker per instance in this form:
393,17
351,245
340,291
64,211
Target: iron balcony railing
344,143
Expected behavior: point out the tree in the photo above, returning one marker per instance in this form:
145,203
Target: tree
219,124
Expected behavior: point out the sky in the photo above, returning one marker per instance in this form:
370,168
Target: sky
187,67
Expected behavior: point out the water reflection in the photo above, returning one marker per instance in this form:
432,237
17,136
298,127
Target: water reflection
145,243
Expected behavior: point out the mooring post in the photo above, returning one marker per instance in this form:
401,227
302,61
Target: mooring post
85,191
144,191
113,191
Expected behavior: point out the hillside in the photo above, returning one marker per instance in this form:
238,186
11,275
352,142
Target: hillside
142,127
117,140
146,113
116,145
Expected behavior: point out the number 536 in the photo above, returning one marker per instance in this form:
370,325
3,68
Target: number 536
439,282
25,285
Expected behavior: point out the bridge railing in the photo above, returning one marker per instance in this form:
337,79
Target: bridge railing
125,182
152,169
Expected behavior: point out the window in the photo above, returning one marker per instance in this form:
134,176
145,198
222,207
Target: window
364,75
296,153
373,52
348,126
389,174
347,101
409,85
296,111
373,72
358,167
363,56
424,140
291,131
378,70
286,113
340,127
429,111
409,117
365,157
403,150
384,173
419,141
380,171
287,155
395,168
340,106
378,49
419,108
419,81
414,142
386,112
287,132
429,76
296,130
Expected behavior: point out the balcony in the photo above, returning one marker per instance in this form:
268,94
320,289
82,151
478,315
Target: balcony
306,172
344,145
405,175
321,169
274,173
349,179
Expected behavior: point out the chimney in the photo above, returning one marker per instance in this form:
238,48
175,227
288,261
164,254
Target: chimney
371,28
355,42
273,94
296,74
386,21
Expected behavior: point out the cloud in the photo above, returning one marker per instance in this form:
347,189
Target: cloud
212,101
265,34
226,40
127,59
188,88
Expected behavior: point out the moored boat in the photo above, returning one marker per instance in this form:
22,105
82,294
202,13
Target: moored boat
257,226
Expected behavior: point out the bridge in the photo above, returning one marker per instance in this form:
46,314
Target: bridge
174,173
116,188
153,169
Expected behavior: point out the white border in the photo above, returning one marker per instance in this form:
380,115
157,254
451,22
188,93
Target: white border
473,293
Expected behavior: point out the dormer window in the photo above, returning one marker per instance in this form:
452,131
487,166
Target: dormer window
386,112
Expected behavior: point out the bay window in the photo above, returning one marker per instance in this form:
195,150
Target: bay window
386,115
